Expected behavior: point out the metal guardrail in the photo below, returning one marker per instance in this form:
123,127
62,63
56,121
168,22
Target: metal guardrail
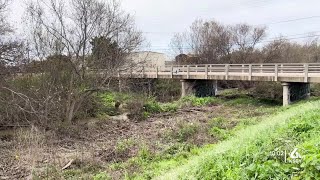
204,71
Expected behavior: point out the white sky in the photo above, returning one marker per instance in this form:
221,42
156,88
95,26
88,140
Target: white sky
161,18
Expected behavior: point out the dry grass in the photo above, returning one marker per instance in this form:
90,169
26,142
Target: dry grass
91,146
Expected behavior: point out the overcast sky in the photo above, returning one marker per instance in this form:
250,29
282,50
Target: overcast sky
159,19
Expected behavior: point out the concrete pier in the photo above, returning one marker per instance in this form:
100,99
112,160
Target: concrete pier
286,94
294,92
199,88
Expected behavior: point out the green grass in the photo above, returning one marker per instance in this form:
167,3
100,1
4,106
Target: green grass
199,101
246,155
245,152
151,106
154,107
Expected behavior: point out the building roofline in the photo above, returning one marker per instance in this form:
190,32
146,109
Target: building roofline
148,52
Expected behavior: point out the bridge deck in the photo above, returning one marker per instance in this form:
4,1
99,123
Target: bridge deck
243,72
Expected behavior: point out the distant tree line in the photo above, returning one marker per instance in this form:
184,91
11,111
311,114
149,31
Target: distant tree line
211,42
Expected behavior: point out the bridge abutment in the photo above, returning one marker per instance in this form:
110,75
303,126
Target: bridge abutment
295,91
199,88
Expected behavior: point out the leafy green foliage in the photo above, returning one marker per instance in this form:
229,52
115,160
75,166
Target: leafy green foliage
247,155
153,106
185,131
102,176
219,122
145,153
196,101
109,100
178,149
311,163
124,145
170,107
221,134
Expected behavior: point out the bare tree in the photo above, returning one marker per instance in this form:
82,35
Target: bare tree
282,50
64,30
178,44
245,38
214,42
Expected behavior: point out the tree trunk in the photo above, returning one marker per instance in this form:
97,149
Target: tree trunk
70,112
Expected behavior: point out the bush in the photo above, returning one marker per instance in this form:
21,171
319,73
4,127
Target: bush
311,163
91,107
145,153
110,101
186,130
196,101
152,106
124,146
267,90
170,107
315,89
219,133
219,122
178,148
167,89
137,110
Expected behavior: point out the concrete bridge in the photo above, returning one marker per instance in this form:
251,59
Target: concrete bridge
201,79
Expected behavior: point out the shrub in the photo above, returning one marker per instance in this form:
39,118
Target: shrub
145,154
232,93
185,131
311,160
137,110
124,146
219,122
167,89
177,149
267,90
91,108
152,106
110,101
196,101
219,133
170,107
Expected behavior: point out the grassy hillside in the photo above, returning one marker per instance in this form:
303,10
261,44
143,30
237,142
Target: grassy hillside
233,136
249,153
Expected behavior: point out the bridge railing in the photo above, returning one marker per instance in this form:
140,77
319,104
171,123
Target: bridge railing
203,71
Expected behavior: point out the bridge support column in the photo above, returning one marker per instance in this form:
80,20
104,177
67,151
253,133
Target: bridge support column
295,91
187,88
199,88
286,94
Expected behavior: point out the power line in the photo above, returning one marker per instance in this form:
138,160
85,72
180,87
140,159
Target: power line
292,35
291,20
265,41
269,23
307,34
303,37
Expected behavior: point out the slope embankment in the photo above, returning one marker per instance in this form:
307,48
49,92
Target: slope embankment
262,151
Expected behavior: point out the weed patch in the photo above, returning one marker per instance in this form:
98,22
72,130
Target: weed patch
185,131
196,101
247,155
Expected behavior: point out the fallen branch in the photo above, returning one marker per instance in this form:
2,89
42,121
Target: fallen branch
68,165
